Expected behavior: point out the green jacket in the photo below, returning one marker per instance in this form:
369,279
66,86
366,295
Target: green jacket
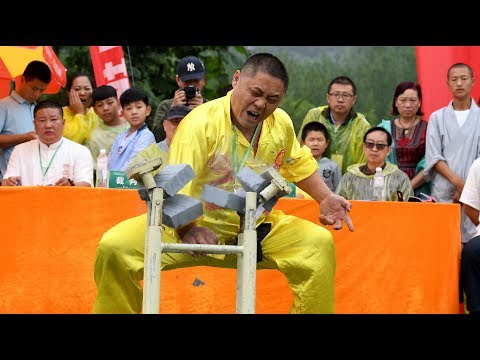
160,115
346,141
355,185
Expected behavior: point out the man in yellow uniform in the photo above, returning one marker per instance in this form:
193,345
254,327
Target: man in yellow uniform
217,139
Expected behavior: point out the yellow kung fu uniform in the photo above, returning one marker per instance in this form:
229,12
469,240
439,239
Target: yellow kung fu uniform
300,249
78,127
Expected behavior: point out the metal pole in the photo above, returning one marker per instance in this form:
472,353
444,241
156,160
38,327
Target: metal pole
131,68
153,254
247,260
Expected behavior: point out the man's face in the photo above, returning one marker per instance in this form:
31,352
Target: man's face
32,90
317,143
376,156
107,110
341,98
136,113
255,97
460,82
49,125
170,126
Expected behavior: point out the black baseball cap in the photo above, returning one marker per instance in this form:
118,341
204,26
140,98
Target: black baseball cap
178,111
190,67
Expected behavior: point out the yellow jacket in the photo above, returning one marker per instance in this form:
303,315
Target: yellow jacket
78,127
204,140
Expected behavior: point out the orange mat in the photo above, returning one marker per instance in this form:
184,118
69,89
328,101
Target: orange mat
402,257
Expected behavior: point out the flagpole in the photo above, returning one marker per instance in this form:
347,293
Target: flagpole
131,69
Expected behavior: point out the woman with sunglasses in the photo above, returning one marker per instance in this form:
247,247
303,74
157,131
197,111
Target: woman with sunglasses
409,132
357,182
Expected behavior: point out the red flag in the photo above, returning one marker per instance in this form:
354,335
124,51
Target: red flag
433,63
109,67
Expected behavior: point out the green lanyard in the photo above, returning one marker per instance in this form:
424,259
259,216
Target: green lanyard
50,162
235,149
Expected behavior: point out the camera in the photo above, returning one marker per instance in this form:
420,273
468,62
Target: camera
190,91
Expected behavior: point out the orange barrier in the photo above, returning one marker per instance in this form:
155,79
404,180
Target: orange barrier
402,257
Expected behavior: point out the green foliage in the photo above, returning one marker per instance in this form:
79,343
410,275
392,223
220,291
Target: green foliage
376,71
153,68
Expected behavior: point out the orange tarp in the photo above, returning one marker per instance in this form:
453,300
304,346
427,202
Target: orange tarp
402,257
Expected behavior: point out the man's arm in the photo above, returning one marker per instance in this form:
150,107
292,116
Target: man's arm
315,187
333,208
472,213
418,180
471,193
12,176
160,116
443,169
9,140
83,165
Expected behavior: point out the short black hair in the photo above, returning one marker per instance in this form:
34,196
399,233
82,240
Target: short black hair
342,80
460,65
47,104
132,95
315,126
37,70
379,128
103,92
267,63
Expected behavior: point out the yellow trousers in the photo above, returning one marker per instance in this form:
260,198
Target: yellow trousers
300,249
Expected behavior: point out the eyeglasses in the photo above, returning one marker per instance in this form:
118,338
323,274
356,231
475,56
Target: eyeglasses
371,145
337,96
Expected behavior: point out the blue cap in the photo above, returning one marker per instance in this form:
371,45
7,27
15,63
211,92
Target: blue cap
190,67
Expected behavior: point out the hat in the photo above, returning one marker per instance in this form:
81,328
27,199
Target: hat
178,111
190,67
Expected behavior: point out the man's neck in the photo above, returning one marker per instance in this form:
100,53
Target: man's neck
20,93
133,129
462,104
247,132
338,119
50,143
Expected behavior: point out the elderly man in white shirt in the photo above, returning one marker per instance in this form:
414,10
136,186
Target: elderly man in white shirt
51,159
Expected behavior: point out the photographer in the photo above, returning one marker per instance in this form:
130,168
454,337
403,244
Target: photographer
191,80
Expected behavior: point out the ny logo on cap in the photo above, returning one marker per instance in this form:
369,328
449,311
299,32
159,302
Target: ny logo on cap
190,66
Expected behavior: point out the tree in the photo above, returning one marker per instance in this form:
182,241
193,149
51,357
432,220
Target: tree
153,68
376,70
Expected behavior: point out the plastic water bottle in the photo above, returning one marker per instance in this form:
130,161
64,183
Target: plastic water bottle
102,169
378,185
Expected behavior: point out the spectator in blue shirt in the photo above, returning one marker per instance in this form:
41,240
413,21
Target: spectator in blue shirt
16,110
128,144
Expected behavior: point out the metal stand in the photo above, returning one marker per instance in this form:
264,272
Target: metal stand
181,210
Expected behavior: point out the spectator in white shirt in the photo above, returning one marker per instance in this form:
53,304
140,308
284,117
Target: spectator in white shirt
51,159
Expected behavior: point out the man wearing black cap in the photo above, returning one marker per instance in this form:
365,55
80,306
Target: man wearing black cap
175,114
191,80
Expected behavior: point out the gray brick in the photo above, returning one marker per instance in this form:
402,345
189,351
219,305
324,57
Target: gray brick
180,210
251,181
223,198
174,177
